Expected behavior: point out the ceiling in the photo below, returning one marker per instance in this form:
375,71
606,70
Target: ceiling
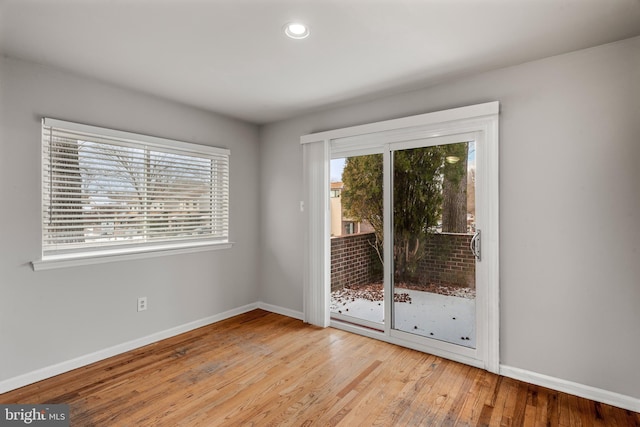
232,57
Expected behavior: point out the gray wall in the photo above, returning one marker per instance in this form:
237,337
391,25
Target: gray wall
569,207
47,317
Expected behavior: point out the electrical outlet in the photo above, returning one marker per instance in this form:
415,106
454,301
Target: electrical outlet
142,303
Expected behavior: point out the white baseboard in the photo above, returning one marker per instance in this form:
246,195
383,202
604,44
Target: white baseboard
78,362
577,389
281,310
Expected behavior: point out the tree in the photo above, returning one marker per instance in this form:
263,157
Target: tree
362,194
454,188
153,187
417,205
471,193
417,200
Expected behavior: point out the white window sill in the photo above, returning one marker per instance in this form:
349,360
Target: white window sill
101,257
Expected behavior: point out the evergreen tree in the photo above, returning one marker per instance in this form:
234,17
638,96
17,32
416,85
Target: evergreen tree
429,183
417,200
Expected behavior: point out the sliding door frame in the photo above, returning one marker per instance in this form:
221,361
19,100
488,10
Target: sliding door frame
319,148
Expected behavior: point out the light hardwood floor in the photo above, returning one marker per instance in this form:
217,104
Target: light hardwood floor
264,369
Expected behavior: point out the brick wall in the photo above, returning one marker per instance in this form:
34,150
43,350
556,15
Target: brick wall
354,261
448,261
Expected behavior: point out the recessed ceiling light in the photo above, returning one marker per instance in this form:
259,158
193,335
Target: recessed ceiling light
296,30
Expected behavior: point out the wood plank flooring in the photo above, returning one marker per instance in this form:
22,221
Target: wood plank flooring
264,369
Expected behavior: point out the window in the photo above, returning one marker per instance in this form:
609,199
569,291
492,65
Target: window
348,228
112,192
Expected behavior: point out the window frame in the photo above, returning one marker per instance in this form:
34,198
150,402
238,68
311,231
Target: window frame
93,255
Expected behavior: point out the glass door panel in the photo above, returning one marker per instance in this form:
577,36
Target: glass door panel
356,202
434,271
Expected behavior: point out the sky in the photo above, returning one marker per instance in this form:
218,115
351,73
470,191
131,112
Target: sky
337,165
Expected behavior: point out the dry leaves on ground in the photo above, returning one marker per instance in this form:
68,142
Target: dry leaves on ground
374,292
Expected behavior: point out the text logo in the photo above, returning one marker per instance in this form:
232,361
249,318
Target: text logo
34,415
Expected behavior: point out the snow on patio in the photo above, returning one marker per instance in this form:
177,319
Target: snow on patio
444,313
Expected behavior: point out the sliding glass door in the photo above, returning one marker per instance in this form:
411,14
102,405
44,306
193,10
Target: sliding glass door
433,269
402,240
356,206
431,286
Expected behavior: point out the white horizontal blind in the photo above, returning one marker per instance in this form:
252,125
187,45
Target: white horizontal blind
105,189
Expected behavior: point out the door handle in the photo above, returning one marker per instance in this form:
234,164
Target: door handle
475,245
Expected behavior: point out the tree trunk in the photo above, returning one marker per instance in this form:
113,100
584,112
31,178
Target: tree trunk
454,191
